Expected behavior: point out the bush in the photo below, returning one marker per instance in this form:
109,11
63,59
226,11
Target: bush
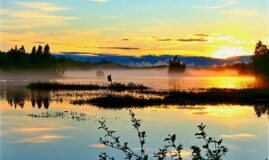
213,149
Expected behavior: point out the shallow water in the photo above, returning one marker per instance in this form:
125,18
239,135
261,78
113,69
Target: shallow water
243,128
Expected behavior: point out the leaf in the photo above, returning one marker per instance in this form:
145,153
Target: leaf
205,146
173,138
220,141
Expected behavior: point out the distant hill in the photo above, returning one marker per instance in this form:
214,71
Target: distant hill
151,60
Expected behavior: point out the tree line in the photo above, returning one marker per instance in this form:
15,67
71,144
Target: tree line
260,60
17,58
40,58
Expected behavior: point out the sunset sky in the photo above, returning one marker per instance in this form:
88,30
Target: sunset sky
212,28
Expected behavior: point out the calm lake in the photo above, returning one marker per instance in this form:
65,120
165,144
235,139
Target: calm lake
71,132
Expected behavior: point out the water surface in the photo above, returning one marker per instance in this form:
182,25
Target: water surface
243,128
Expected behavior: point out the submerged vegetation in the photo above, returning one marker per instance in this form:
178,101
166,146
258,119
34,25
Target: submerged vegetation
213,149
61,86
63,114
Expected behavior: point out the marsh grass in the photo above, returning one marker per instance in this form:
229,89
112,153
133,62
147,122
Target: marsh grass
62,86
211,96
118,101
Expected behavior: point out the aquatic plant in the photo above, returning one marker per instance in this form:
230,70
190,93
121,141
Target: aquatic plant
60,114
211,150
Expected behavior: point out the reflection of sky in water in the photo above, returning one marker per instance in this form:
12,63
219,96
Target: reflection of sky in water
244,128
24,137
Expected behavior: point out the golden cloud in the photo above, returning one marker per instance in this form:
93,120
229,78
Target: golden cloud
32,130
238,136
99,146
40,139
40,6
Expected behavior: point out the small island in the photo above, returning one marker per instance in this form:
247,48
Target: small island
176,66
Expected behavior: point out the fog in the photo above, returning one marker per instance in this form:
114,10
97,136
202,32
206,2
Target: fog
154,78
160,73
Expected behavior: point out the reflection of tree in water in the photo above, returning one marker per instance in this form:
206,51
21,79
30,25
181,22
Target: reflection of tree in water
18,97
175,84
40,100
261,109
15,98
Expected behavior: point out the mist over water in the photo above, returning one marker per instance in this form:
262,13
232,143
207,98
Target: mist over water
160,79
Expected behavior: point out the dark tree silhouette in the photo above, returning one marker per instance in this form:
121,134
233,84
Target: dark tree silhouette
33,50
175,65
40,59
39,50
260,60
46,49
22,50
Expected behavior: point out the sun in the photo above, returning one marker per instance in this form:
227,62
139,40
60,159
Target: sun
226,52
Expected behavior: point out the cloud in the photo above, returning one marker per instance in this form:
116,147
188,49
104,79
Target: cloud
40,139
40,6
183,153
15,40
100,1
32,130
164,39
200,112
229,3
201,35
185,39
36,15
241,12
192,40
238,136
28,15
221,38
26,19
39,42
98,146
120,48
